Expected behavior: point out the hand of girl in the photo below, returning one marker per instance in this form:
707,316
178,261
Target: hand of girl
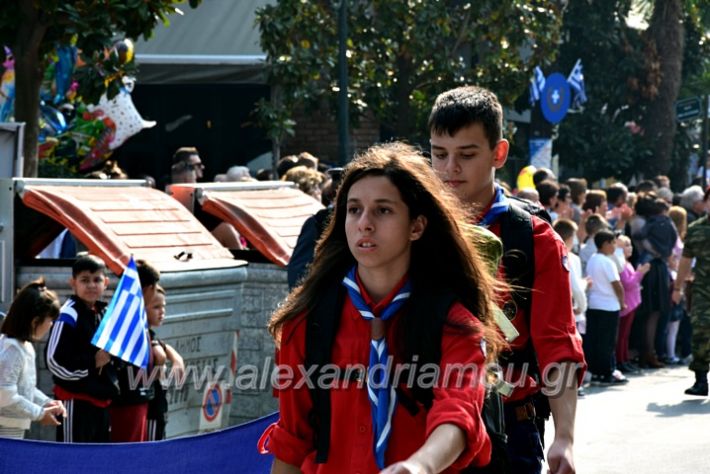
48,417
644,268
407,467
58,406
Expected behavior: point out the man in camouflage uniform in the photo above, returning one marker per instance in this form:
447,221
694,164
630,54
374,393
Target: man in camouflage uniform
697,246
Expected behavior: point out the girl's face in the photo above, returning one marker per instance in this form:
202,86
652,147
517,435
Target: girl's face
626,246
156,310
378,227
41,326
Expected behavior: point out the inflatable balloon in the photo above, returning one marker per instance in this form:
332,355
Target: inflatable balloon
92,132
124,49
7,87
525,177
63,70
123,114
54,118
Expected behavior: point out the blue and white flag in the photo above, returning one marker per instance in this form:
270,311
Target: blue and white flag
123,331
537,84
576,82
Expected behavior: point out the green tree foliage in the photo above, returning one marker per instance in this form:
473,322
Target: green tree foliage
401,54
34,28
623,77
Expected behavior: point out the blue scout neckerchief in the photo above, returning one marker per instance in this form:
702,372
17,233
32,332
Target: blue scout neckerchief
499,206
380,391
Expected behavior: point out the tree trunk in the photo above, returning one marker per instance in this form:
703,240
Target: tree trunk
666,32
28,79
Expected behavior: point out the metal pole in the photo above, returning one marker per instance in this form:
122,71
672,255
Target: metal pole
706,106
343,114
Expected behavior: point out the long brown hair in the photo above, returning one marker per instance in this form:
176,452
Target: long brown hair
33,302
443,258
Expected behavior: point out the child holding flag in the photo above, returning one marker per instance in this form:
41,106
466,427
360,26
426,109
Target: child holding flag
83,377
392,248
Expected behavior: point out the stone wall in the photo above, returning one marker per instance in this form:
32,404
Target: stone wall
261,293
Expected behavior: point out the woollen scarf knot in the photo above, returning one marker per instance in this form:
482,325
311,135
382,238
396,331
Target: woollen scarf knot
500,205
380,391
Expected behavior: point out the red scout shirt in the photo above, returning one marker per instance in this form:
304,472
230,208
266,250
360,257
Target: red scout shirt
553,330
351,437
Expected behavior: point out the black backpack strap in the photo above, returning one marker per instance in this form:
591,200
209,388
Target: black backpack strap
321,327
516,232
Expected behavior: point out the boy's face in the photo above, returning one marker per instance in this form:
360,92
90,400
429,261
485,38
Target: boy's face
467,163
608,247
156,310
89,286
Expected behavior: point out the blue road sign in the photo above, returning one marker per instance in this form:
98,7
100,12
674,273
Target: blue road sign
555,98
688,109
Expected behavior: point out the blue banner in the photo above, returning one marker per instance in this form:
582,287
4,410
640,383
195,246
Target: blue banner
230,450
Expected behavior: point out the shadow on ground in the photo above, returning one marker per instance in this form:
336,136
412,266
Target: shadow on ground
699,406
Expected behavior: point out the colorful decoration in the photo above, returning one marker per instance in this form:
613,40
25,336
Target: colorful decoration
121,111
525,177
63,71
7,87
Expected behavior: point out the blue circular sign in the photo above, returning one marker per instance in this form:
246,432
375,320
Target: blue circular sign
555,98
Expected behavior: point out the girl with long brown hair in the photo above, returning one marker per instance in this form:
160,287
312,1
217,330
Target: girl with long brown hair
394,249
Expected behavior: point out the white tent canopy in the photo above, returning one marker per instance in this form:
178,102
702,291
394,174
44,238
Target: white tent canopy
218,42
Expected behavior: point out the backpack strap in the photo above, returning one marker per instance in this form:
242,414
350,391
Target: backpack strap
321,327
516,232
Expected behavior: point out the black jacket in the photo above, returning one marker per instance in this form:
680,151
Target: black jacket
70,355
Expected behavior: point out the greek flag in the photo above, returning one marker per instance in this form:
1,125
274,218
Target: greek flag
123,331
537,84
576,82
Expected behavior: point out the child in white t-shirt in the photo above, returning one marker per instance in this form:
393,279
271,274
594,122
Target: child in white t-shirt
606,299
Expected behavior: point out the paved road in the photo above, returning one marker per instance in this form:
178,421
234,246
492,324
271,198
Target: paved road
646,426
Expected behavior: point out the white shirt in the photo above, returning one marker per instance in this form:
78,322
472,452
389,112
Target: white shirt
20,399
602,270
588,249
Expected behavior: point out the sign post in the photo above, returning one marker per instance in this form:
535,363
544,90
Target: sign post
688,109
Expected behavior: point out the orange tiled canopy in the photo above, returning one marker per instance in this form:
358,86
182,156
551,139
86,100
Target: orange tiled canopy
116,221
270,218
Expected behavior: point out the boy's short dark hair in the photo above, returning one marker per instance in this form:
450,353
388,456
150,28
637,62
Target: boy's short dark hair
33,300
594,224
547,189
184,153
86,262
565,228
646,186
578,188
616,191
285,164
147,273
459,108
602,237
563,192
543,174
